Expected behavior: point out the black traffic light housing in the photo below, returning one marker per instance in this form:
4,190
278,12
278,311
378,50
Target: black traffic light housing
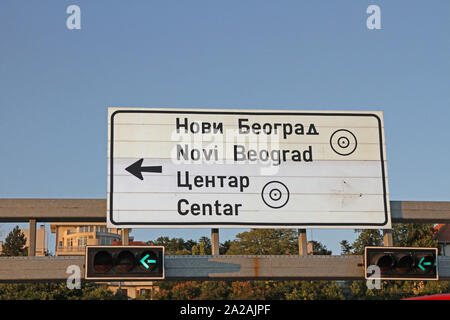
397,263
124,263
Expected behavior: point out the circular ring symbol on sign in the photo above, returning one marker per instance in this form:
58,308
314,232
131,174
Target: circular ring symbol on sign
275,194
343,142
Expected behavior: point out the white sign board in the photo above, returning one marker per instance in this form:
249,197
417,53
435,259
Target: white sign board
246,168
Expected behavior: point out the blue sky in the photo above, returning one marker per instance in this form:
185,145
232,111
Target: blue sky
56,84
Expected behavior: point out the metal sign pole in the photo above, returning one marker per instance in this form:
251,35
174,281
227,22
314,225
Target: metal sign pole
302,242
215,242
32,238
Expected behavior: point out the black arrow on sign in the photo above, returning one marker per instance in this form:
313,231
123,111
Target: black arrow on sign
136,169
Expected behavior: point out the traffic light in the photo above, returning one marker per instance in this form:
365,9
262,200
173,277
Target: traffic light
124,262
397,263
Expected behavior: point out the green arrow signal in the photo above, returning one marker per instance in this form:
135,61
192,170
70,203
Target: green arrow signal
421,264
145,262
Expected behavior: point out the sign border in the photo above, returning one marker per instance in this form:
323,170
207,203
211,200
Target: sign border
249,224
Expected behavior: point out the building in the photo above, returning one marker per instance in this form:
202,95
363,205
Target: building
310,248
72,238
443,237
41,240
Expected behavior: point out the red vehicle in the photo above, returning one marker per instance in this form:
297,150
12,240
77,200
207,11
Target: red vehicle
444,296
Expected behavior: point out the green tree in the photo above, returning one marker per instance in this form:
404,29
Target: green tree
314,290
15,244
214,290
224,247
265,242
369,237
403,235
200,249
203,247
254,290
346,248
174,246
56,291
414,235
187,290
319,248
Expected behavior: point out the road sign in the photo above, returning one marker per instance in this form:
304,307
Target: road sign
246,168
124,262
400,263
